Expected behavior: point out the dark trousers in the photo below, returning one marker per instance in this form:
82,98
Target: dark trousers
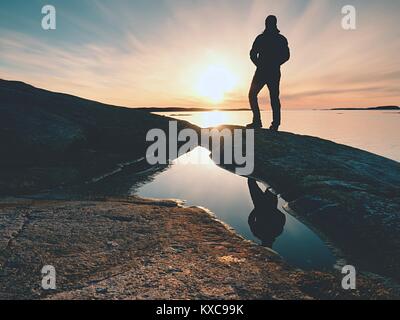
272,79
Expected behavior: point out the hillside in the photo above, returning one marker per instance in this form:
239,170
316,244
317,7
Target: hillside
51,138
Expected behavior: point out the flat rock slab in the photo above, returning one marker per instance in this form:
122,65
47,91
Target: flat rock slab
146,249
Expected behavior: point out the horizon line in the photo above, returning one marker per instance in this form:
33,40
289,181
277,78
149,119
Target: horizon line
192,108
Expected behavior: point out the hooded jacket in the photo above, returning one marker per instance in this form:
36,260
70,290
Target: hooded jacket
270,50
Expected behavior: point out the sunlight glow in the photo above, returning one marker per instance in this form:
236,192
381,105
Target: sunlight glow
196,53
211,119
215,81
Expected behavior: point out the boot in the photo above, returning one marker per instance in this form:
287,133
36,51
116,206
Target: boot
274,128
256,124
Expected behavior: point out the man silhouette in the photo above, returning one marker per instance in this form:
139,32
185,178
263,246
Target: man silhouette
270,50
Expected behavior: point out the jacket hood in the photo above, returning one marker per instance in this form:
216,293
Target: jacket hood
272,31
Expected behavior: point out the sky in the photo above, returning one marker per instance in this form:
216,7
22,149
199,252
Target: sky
195,53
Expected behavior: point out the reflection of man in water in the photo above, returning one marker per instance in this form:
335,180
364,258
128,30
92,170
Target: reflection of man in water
266,221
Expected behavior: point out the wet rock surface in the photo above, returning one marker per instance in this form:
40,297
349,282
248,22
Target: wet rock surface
351,196
134,248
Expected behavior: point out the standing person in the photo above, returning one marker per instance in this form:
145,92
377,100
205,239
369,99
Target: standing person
270,50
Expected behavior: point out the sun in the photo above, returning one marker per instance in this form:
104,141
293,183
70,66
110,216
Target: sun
215,81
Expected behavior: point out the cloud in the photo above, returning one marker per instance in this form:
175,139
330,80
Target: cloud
139,54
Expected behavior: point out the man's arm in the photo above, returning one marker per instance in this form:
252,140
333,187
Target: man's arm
285,51
255,51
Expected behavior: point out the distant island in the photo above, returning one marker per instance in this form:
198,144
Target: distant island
370,108
193,109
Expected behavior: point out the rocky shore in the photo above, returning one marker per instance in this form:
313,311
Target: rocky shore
105,245
350,196
51,139
134,248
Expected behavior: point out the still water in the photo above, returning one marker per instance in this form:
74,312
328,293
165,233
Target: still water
373,131
195,178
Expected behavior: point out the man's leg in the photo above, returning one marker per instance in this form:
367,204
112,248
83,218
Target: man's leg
256,87
274,92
